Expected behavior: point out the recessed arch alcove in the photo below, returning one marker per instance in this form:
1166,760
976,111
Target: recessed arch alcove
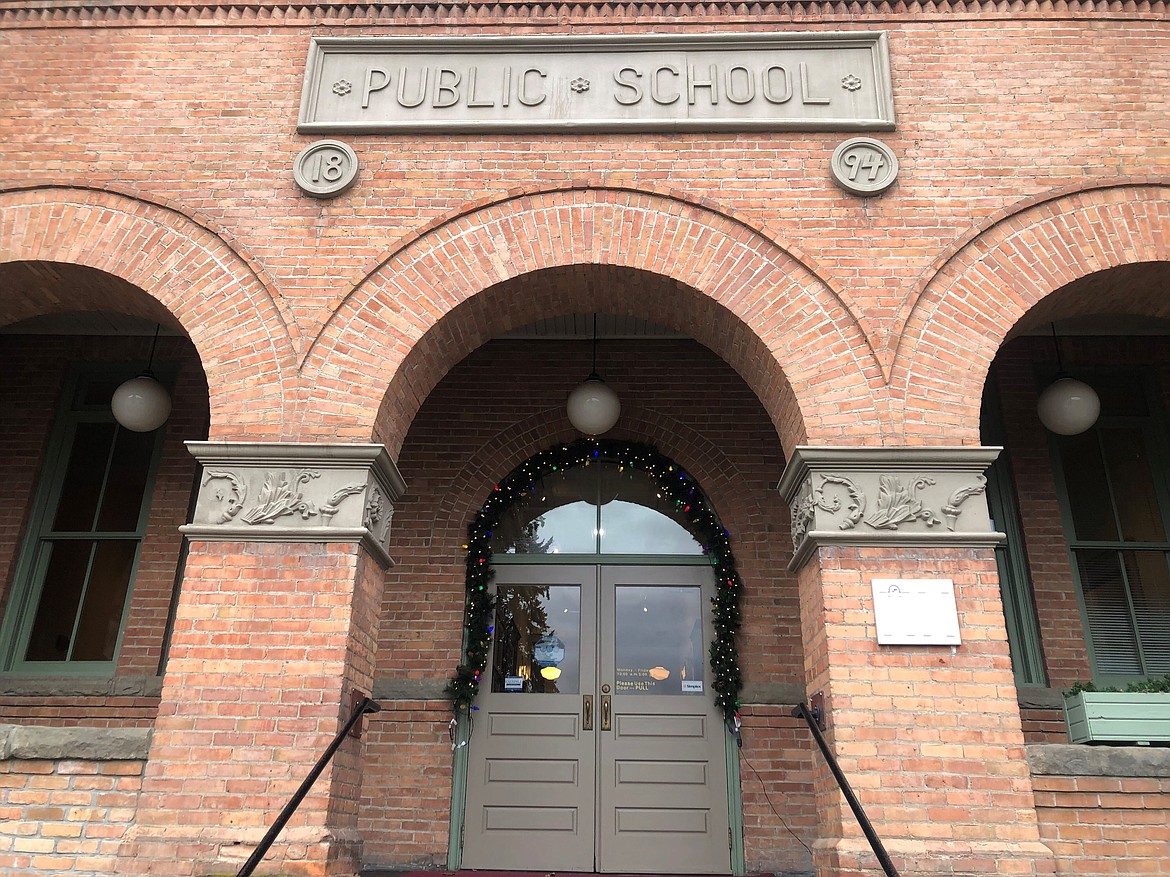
504,402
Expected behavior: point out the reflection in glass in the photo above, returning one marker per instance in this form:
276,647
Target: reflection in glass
126,482
84,478
52,632
555,518
1108,613
537,639
658,640
1087,482
1132,485
105,593
599,507
627,528
1149,586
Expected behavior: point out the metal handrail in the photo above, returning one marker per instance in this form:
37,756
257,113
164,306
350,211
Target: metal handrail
802,711
361,708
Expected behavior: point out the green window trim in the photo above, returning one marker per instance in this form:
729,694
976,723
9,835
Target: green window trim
1015,580
1148,633
84,406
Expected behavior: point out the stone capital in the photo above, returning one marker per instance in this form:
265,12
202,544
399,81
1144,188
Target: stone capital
289,492
898,496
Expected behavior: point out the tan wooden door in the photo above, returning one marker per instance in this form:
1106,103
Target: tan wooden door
531,782
662,783
617,764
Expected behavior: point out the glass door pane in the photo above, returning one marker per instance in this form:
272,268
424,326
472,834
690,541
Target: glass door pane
658,640
537,640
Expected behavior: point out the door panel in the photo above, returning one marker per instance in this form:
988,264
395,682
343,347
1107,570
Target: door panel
663,781
532,770
644,792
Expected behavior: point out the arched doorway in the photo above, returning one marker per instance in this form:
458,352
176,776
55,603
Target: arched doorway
598,742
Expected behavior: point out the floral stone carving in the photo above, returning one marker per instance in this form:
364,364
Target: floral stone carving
871,496
296,493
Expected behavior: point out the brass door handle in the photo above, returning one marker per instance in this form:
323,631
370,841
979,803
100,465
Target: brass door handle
606,717
587,713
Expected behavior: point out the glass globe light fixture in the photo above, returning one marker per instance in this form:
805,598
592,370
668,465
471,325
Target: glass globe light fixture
1068,406
593,407
142,404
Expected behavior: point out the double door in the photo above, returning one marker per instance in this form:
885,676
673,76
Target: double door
597,745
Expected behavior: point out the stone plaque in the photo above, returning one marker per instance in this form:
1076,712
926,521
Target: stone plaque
657,82
864,166
325,168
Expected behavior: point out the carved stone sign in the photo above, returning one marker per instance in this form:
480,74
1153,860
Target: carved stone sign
325,168
896,495
864,166
281,492
806,81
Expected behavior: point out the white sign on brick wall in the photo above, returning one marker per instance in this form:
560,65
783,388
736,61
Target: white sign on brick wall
919,612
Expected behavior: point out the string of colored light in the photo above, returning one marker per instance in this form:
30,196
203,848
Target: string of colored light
683,498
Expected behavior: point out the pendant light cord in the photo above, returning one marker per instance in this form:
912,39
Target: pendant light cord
1056,344
153,345
594,369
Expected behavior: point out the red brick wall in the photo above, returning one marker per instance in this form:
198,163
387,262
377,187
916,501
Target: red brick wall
261,664
158,144
1105,825
928,740
982,99
65,817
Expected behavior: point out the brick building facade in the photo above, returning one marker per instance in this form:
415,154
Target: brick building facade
352,377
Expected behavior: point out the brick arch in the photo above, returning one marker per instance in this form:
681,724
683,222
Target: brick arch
228,310
966,308
724,284
703,460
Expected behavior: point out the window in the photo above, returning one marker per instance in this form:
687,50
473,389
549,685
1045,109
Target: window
76,566
600,508
1113,480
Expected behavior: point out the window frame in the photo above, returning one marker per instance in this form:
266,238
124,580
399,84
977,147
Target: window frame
31,560
1025,643
1154,437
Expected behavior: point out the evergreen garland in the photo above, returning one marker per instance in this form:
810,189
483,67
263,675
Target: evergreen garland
675,487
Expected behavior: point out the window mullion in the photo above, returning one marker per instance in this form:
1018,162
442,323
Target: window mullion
101,499
81,600
1133,620
1118,546
1099,435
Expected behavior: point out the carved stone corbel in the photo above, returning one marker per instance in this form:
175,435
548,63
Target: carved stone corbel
285,492
877,496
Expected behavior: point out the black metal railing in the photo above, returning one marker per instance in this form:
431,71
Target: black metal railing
362,707
802,711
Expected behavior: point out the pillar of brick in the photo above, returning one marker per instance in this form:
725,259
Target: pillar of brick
276,626
927,733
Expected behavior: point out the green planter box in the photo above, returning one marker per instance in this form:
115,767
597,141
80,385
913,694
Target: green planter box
1117,717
